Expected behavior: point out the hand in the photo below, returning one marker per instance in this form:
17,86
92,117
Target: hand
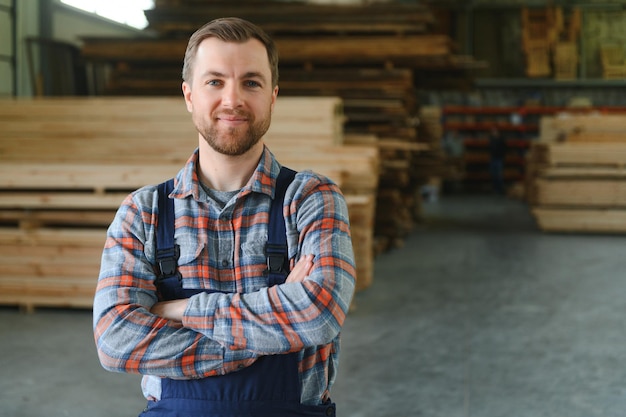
301,269
171,310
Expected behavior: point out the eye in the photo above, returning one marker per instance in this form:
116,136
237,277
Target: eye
252,84
213,83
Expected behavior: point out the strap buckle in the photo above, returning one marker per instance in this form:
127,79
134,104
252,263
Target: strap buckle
167,259
275,257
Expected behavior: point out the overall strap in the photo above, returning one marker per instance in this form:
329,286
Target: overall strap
276,252
167,252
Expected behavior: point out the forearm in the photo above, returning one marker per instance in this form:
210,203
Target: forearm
283,318
138,342
128,336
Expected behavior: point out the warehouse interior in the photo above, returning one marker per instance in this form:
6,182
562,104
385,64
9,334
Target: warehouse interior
488,284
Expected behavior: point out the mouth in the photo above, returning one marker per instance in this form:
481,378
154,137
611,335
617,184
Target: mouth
232,119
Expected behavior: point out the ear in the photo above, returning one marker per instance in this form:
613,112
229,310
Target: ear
274,95
187,95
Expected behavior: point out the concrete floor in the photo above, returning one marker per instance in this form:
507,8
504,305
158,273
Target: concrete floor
478,315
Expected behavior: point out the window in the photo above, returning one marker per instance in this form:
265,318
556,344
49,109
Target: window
128,12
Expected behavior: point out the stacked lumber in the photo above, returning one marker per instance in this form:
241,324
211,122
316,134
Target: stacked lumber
576,178
368,55
549,41
565,60
433,162
613,61
378,103
184,16
66,165
538,34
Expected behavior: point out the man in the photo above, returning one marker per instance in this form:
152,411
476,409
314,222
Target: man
497,153
239,346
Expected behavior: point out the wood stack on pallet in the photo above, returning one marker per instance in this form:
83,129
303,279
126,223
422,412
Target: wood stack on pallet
613,61
538,34
550,41
366,54
576,179
66,165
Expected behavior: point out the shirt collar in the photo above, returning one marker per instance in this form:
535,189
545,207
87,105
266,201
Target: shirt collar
263,179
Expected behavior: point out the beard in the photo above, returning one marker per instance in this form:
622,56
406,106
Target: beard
233,141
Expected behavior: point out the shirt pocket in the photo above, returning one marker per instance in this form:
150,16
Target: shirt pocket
253,264
192,261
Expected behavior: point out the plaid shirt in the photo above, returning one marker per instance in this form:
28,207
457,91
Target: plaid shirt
223,249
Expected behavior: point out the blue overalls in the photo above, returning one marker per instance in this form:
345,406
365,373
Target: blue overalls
268,388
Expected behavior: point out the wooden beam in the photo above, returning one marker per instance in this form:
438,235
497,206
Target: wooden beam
581,192
409,50
581,220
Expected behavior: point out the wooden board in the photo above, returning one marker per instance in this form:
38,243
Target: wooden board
559,127
413,50
581,172
581,192
294,17
585,154
581,220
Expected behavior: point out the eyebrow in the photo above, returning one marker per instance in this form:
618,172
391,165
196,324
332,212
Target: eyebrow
249,74
254,74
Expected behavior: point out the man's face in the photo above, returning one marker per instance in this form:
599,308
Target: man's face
230,95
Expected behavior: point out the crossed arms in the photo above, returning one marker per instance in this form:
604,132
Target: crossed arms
212,334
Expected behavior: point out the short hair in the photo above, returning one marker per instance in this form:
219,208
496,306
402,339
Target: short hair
230,29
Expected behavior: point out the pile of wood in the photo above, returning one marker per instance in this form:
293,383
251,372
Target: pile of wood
66,165
368,55
550,41
613,61
174,17
576,179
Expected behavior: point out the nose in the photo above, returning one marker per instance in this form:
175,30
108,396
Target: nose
231,96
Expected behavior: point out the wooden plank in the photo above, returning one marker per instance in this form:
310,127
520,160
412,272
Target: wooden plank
586,154
596,137
100,176
294,17
44,270
339,49
63,239
559,127
362,209
611,221
30,298
60,200
402,145
26,252
363,49
579,172
107,108
29,218
152,109
580,192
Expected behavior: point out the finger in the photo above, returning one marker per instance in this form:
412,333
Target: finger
301,269
305,264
